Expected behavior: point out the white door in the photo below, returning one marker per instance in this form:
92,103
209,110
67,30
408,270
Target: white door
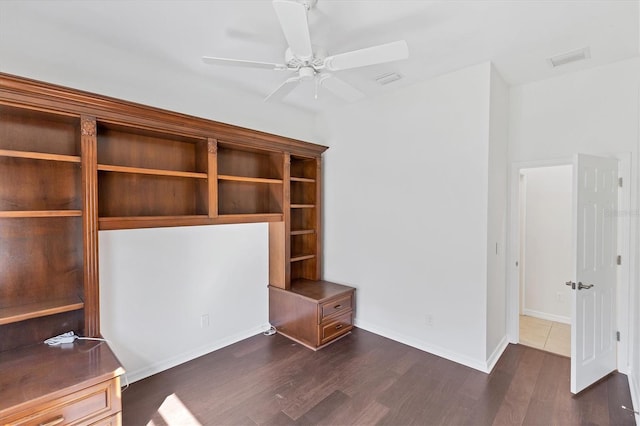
593,342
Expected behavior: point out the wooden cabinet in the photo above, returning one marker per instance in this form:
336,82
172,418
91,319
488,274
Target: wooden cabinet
303,307
312,312
73,385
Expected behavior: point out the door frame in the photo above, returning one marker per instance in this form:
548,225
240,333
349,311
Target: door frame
623,288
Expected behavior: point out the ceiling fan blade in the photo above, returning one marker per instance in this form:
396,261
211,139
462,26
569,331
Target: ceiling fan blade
242,63
283,90
293,20
388,52
340,88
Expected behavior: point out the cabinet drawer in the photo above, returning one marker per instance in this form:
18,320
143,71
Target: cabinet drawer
115,420
81,408
336,307
335,328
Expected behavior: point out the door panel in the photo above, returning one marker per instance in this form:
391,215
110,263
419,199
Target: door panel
593,348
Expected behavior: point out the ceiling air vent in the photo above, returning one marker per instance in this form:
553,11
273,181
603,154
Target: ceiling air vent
567,58
388,78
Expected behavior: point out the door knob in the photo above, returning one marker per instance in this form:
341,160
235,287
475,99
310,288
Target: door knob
571,284
584,286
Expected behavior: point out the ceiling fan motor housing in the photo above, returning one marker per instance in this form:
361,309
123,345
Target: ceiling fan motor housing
317,61
306,73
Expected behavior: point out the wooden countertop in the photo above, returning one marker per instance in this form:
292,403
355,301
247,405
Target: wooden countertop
36,373
318,290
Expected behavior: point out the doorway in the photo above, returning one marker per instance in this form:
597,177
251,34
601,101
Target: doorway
600,314
545,230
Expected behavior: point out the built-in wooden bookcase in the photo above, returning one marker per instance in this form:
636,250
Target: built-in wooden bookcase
250,181
73,163
305,218
144,174
41,252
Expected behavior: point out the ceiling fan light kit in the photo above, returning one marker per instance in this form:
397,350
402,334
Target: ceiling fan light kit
311,62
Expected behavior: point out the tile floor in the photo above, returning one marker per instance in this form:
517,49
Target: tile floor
547,335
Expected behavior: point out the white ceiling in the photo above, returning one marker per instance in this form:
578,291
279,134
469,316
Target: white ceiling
160,43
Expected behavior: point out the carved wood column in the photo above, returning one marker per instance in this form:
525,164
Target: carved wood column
89,156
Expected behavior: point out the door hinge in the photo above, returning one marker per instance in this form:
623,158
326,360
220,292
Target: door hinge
620,182
619,260
618,336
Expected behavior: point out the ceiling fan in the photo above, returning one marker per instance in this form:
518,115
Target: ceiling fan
311,62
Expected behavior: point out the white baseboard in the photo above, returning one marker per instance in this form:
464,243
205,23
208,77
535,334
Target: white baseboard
159,366
479,365
546,316
634,389
497,353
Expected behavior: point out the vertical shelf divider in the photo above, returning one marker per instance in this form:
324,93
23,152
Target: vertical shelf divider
212,171
318,218
286,211
89,163
279,235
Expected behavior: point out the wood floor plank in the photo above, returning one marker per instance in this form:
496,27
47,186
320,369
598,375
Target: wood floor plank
544,397
617,393
365,379
516,401
324,408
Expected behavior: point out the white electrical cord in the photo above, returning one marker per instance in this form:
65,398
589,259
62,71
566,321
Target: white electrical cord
68,337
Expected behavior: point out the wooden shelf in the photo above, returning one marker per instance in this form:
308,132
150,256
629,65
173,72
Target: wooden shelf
39,156
302,257
303,232
36,310
132,222
145,171
303,206
249,218
41,213
249,179
302,179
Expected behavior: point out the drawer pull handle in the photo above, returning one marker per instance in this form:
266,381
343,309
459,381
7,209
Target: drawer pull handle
338,327
54,422
337,307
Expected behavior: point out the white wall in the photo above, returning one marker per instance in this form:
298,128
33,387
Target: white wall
406,212
595,111
497,217
155,284
547,257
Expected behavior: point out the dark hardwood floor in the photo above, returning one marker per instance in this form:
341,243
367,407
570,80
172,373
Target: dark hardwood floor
367,379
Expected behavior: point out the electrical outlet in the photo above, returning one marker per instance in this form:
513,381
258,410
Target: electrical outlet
204,321
428,320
